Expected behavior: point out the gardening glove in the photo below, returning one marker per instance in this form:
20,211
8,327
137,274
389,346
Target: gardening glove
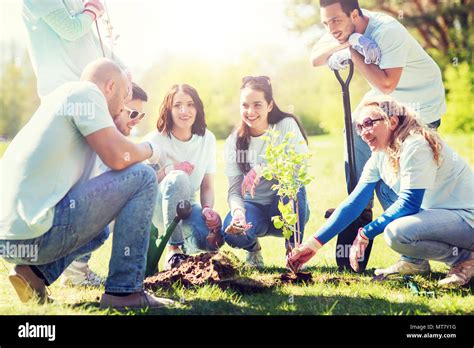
357,250
212,218
251,180
302,254
340,59
238,224
367,47
185,166
96,7
156,153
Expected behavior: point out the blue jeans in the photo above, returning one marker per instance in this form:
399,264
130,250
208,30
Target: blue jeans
193,231
261,218
433,234
80,227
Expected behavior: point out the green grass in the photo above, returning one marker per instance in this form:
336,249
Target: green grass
352,294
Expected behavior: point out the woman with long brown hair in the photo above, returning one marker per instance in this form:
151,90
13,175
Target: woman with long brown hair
187,166
433,216
251,200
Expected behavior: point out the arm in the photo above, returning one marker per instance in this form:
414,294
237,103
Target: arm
408,203
325,49
207,191
115,150
234,197
67,27
386,80
346,212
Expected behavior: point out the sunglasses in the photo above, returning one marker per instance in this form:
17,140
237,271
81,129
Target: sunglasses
260,79
134,114
366,124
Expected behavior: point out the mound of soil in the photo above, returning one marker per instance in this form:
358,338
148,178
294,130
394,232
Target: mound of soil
206,268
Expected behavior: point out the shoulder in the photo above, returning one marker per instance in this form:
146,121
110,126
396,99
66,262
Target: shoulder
232,138
385,27
288,124
414,142
84,89
209,137
416,149
155,137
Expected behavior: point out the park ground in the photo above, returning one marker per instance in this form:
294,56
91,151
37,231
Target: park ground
332,293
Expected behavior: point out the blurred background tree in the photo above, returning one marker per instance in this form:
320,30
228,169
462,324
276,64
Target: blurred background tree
18,96
444,28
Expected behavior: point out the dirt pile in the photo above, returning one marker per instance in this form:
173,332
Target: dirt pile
220,269
296,278
206,268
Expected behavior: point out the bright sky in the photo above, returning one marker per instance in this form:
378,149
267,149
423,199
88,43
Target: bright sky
214,29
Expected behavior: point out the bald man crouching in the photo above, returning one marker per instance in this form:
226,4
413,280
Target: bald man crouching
52,214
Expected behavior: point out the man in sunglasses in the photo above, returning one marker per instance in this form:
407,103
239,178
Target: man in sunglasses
79,272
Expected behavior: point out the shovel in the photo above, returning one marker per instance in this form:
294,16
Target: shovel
346,237
157,244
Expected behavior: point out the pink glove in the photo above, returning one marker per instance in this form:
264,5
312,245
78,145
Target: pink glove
358,249
251,180
186,167
302,254
94,7
213,220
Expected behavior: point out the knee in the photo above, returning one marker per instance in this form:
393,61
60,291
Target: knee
178,179
145,172
395,236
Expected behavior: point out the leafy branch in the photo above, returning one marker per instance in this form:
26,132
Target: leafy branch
290,170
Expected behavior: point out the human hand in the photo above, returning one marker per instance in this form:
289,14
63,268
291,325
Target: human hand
367,47
302,254
212,218
251,180
156,153
239,223
358,249
185,166
340,59
95,7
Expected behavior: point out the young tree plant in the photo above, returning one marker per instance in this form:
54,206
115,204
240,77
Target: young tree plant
290,171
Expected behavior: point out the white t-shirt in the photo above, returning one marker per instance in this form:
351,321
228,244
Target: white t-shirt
48,157
199,151
421,83
257,146
448,186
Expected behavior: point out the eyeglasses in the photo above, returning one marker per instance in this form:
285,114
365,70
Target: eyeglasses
134,114
260,79
367,124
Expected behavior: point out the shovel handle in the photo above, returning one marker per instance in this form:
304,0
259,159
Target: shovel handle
345,83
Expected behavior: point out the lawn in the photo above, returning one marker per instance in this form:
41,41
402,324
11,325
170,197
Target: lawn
343,294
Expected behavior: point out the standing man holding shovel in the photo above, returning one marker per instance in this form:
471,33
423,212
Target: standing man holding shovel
393,63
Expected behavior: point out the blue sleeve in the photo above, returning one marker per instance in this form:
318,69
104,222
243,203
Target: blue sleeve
67,27
349,210
408,203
